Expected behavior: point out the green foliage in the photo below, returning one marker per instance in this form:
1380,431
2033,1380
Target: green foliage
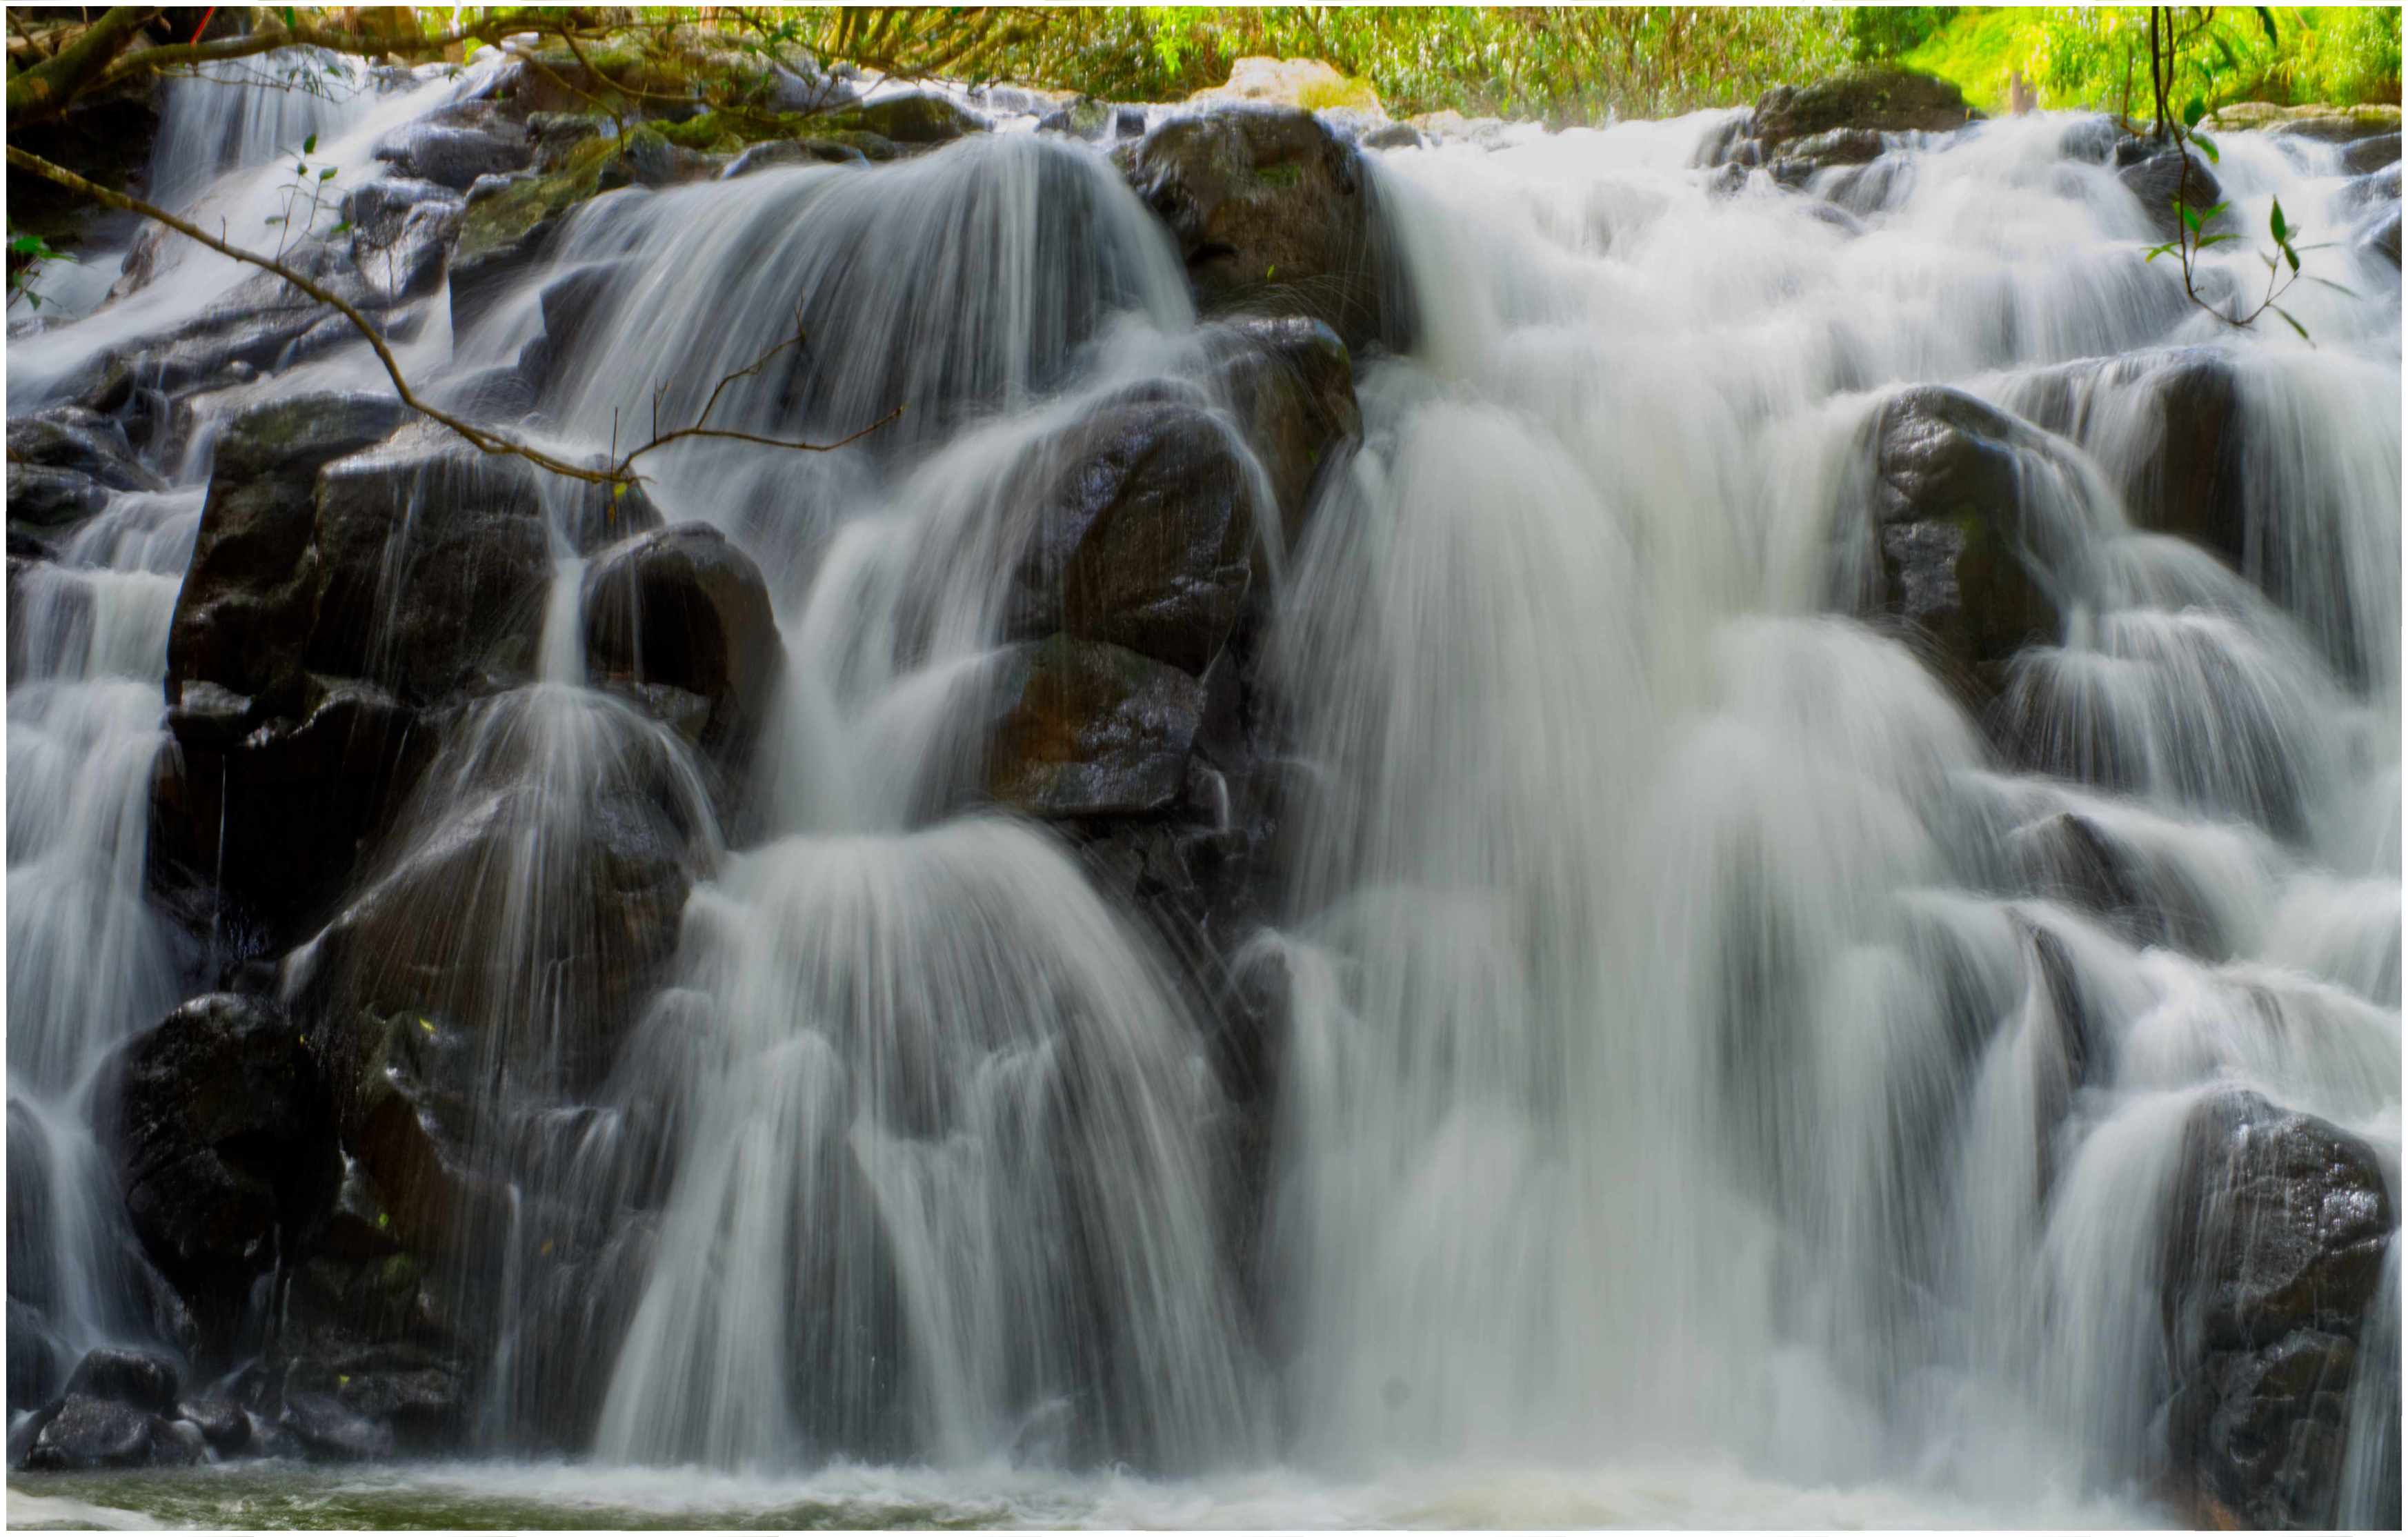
2097,56
27,254
1879,33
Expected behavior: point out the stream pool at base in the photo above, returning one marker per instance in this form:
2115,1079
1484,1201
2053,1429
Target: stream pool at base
570,1496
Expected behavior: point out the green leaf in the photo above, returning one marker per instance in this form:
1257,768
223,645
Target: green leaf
2196,110
344,228
289,24
2190,216
2294,257
309,145
2207,146
2329,283
2213,211
2207,241
2274,221
2294,324
2156,252
24,245
326,174
276,220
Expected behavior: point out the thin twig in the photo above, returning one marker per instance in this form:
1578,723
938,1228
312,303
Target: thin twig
618,473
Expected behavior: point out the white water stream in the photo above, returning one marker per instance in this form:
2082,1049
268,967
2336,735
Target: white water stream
1675,1126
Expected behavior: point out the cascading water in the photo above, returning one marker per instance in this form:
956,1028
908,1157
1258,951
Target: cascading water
1703,1057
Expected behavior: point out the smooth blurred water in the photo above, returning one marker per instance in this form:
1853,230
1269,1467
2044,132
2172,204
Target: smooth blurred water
1700,1104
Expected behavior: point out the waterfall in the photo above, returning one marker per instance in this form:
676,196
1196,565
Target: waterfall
1712,1033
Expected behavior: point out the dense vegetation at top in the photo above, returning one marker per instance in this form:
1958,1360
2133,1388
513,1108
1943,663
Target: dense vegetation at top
1559,63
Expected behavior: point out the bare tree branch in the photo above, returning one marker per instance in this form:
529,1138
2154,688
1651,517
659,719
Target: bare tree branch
620,472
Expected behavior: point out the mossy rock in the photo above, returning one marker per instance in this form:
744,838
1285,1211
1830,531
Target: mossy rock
500,221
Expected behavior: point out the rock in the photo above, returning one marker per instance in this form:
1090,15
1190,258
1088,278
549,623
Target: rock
1142,542
570,300
48,498
2274,1250
266,812
2382,236
2072,856
914,118
2373,190
501,233
1882,100
135,1378
2154,183
432,560
1273,214
1290,385
1956,551
224,1427
1084,728
87,1432
2371,154
2191,483
379,210
447,932
684,608
71,437
66,463
1085,118
454,157
224,1146
792,151
2337,125
329,1431
244,616
1393,136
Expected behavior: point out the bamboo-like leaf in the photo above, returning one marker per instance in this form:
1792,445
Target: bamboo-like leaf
2274,222
2293,323
2207,147
2329,283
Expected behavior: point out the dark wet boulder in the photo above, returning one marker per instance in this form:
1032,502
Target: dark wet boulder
455,156
915,118
2375,189
524,900
65,463
1142,541
793,151
2381,235
72,438
2154,183
41,498
224,1428
1290,385
683,607
2071,857
328,1430
2275,1241
1954,546
378,209
433,560
1085,729
138,1378
2371,154
249,602
2192,482
1880,100
1272,214
224,1147
262,812
85,1432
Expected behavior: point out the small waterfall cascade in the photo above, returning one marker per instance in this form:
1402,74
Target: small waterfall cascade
1720,1008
